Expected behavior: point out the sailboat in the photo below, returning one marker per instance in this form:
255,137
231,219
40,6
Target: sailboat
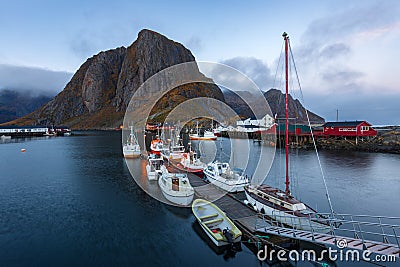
131,148
282,205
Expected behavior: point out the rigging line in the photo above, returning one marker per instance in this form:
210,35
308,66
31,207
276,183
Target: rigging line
312,136
277,66
280,80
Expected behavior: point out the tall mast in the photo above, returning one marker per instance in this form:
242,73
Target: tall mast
286,38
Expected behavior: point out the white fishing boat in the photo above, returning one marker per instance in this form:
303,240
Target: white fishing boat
281,205
175,151
207,135
218,227
153,167
191,163
176,187
131,148
222,176
5,137
174,154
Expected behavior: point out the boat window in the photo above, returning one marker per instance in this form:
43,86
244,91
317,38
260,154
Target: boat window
175,184
282,204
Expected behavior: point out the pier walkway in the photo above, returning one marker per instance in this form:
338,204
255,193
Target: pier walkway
255,225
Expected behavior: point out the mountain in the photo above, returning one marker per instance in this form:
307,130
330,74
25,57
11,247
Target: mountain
15,104
99,92
276,101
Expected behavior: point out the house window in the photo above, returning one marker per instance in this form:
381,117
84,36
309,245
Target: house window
364,128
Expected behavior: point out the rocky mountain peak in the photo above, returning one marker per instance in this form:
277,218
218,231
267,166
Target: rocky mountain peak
99,92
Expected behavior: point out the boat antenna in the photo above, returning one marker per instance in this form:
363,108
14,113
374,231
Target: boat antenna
312,135
286,39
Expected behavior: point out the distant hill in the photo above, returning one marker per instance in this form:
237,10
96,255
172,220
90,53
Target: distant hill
99,92
276,101
15,104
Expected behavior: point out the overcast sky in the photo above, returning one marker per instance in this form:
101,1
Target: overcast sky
346,52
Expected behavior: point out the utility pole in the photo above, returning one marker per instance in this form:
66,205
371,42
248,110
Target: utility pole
337,115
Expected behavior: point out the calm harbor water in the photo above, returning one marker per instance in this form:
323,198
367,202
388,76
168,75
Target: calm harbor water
71,201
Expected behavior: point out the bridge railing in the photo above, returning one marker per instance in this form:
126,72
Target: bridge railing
364,227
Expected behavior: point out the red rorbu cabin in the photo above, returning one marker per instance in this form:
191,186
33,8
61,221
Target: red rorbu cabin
349,128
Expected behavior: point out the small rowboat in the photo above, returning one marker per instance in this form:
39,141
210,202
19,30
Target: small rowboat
219,228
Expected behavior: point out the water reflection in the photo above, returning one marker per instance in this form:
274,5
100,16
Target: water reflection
228,251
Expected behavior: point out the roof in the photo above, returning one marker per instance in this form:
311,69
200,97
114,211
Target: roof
344,123
22,127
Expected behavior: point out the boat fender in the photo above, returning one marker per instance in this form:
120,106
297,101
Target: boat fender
255,207
246,202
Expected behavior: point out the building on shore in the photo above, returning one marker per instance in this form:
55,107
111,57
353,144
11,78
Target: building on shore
349,129
22,131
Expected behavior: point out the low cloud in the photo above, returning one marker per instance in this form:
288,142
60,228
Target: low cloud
36,80
334,50
255,69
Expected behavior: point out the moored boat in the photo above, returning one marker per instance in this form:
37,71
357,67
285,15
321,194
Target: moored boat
282,205
222,176
174,154
131,148
285,208
208,135
191,163
176,187
153,167
218,227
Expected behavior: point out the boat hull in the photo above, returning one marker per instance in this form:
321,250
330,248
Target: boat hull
180,200
218,243
300,223
203,138
131,154
151,175
224,184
